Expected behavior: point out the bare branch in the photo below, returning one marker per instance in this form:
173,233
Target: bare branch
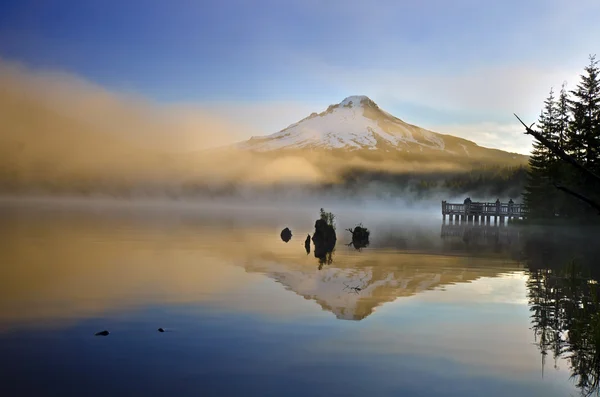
589,201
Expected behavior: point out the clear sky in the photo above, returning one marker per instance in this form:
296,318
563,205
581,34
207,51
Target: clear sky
460,67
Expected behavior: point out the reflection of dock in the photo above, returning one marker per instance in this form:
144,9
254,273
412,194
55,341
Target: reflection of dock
485,234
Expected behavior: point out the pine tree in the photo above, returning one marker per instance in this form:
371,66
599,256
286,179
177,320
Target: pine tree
584,131
563,119
540,194
582,139
561,173
572,123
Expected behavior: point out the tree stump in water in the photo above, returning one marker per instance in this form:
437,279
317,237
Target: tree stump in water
360,237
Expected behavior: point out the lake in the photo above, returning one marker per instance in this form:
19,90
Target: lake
427,309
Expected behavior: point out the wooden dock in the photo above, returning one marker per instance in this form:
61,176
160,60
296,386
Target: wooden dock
482,213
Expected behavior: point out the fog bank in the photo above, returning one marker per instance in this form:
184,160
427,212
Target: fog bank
64,136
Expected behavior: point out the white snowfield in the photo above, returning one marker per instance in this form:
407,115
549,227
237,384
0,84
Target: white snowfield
355,123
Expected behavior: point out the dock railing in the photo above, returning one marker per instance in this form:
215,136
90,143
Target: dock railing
483,210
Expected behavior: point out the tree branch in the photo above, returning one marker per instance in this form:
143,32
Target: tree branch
589,201
558,151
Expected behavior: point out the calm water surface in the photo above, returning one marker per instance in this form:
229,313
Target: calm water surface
441,310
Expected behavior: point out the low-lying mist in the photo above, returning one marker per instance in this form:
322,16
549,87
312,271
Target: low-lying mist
61,135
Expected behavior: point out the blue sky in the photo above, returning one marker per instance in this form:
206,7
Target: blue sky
461,67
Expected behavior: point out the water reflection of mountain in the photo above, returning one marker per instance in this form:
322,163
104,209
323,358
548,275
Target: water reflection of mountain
403,260
380,276
81,264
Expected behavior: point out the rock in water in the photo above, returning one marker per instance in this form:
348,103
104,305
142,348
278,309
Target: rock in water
307,244
161,330
102,333
324,240
286,235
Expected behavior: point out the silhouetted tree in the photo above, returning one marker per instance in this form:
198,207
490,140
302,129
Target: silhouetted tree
539,193
584,132
559,171
569,131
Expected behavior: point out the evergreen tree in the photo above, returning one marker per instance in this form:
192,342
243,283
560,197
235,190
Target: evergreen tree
584,131
539,193
572,124
563,118
583,138
562,202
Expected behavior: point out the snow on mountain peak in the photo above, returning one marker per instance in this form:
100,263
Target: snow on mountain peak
355,100
355,123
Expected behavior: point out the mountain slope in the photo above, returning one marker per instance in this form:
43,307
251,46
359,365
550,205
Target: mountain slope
357,124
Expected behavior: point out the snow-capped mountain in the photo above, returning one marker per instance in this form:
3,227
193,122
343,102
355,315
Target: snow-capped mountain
358,123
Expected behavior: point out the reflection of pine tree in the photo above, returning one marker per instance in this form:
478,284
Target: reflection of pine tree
545,304
584,344
563,302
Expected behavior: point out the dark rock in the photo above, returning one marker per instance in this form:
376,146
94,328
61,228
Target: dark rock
286,235
102,333
360,237
161,330
324,240
307,244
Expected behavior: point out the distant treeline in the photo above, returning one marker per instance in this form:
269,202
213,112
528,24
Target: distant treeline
572,122
479,183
